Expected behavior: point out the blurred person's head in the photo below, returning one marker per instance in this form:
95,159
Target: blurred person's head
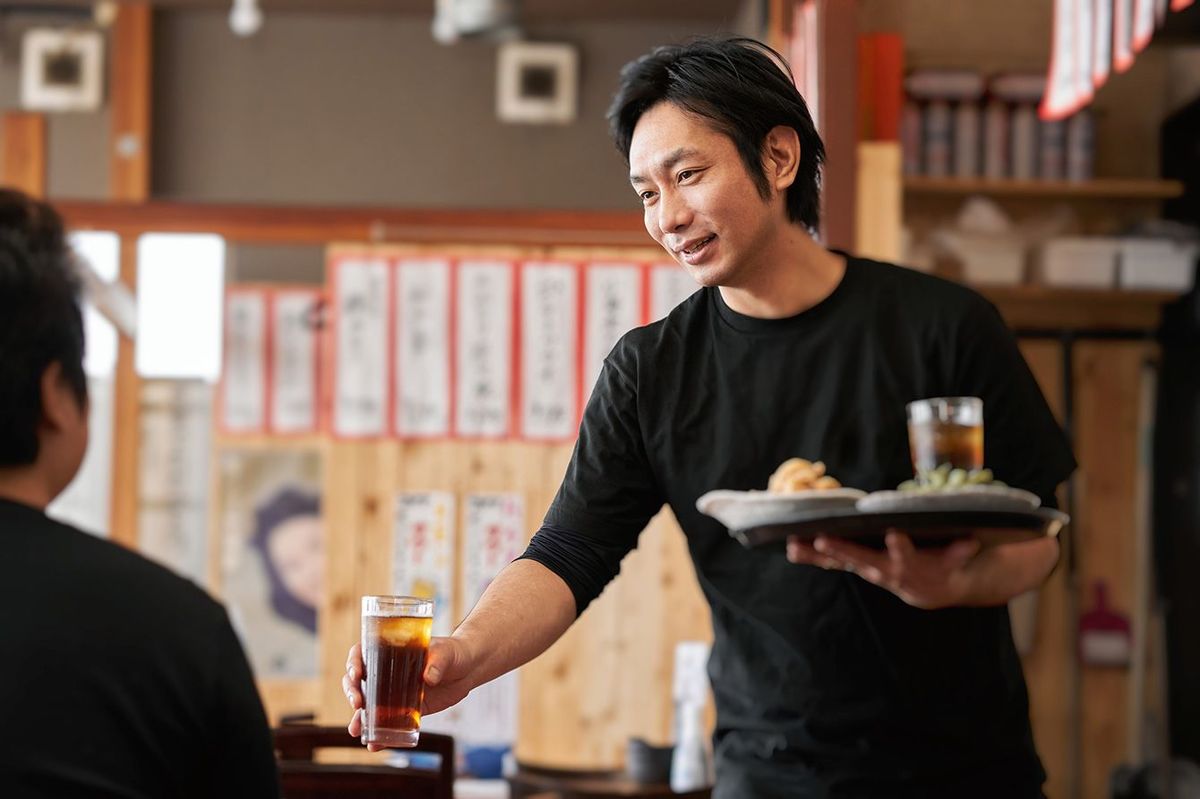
290,539
721,149
43,389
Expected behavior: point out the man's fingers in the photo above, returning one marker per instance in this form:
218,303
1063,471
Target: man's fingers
958,553
353,691
801,552
900,547
443,660
355,725
354,664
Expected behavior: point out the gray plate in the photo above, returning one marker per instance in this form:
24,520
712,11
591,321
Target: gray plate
926,528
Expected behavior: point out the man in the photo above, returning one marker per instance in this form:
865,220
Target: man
836,671
118,677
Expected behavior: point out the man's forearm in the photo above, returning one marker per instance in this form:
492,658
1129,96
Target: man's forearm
1004,572
524,610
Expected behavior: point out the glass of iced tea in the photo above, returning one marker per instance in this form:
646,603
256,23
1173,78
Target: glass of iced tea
395,645
945,430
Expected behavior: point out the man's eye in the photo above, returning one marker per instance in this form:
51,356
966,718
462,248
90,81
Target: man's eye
646,196
685,174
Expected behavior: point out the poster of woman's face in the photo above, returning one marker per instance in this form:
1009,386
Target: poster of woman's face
273,561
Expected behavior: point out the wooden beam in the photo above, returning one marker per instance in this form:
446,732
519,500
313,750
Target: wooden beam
838,118
314,225
1040,307
779,24
25,152
126,440
130,103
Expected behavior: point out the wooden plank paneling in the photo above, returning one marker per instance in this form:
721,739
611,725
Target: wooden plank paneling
607,679
1047,674
126,443
1108,383
130,90
24,153
879,202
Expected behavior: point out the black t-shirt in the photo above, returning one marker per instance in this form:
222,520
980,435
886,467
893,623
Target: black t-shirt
825,685
117,677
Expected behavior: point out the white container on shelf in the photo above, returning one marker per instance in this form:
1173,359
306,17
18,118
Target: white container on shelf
1157,264
990,259
1080,262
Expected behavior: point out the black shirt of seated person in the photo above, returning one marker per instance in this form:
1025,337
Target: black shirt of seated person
825,685
118,678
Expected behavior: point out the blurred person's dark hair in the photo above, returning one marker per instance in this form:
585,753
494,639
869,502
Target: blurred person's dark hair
40,319
743,88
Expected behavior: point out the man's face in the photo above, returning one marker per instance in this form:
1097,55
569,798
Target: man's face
700,203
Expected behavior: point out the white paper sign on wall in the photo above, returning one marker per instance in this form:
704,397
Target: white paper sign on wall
613,307
423,552
243,379
360,297
670,285
294,353
549,350
423,347
483,356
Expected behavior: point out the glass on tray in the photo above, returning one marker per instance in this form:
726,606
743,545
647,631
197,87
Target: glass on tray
945,430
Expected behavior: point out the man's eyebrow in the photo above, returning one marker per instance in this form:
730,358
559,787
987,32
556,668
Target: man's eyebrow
669,162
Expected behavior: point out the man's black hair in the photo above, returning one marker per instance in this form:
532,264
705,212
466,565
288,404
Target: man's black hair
40,319
743,89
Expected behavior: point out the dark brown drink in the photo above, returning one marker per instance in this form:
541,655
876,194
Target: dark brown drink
395,649
934,443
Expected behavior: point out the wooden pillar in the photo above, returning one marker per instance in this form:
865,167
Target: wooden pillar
838,22
126,440
130,136
25,152
129,181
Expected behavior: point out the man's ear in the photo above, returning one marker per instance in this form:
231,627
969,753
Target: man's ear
59,403
781,157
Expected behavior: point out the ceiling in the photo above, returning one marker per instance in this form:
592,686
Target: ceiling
531,10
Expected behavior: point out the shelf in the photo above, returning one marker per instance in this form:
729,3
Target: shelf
1107,188
1030,307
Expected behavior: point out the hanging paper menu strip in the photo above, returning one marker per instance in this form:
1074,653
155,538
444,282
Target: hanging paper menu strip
423,552
1063,83
549,350
360,390
1122,58
243,381
1102,40
422,347
483,348
1085,52
294,354
670,284
494,536
613,308
1143,24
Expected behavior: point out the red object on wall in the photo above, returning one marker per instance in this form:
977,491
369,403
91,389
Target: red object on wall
880,86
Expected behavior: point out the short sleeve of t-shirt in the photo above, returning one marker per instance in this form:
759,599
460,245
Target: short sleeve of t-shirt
1023,443
609,491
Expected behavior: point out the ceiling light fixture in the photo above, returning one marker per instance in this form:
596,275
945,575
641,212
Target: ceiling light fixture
245,18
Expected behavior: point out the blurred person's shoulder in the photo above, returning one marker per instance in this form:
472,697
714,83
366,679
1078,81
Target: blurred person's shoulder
100,576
